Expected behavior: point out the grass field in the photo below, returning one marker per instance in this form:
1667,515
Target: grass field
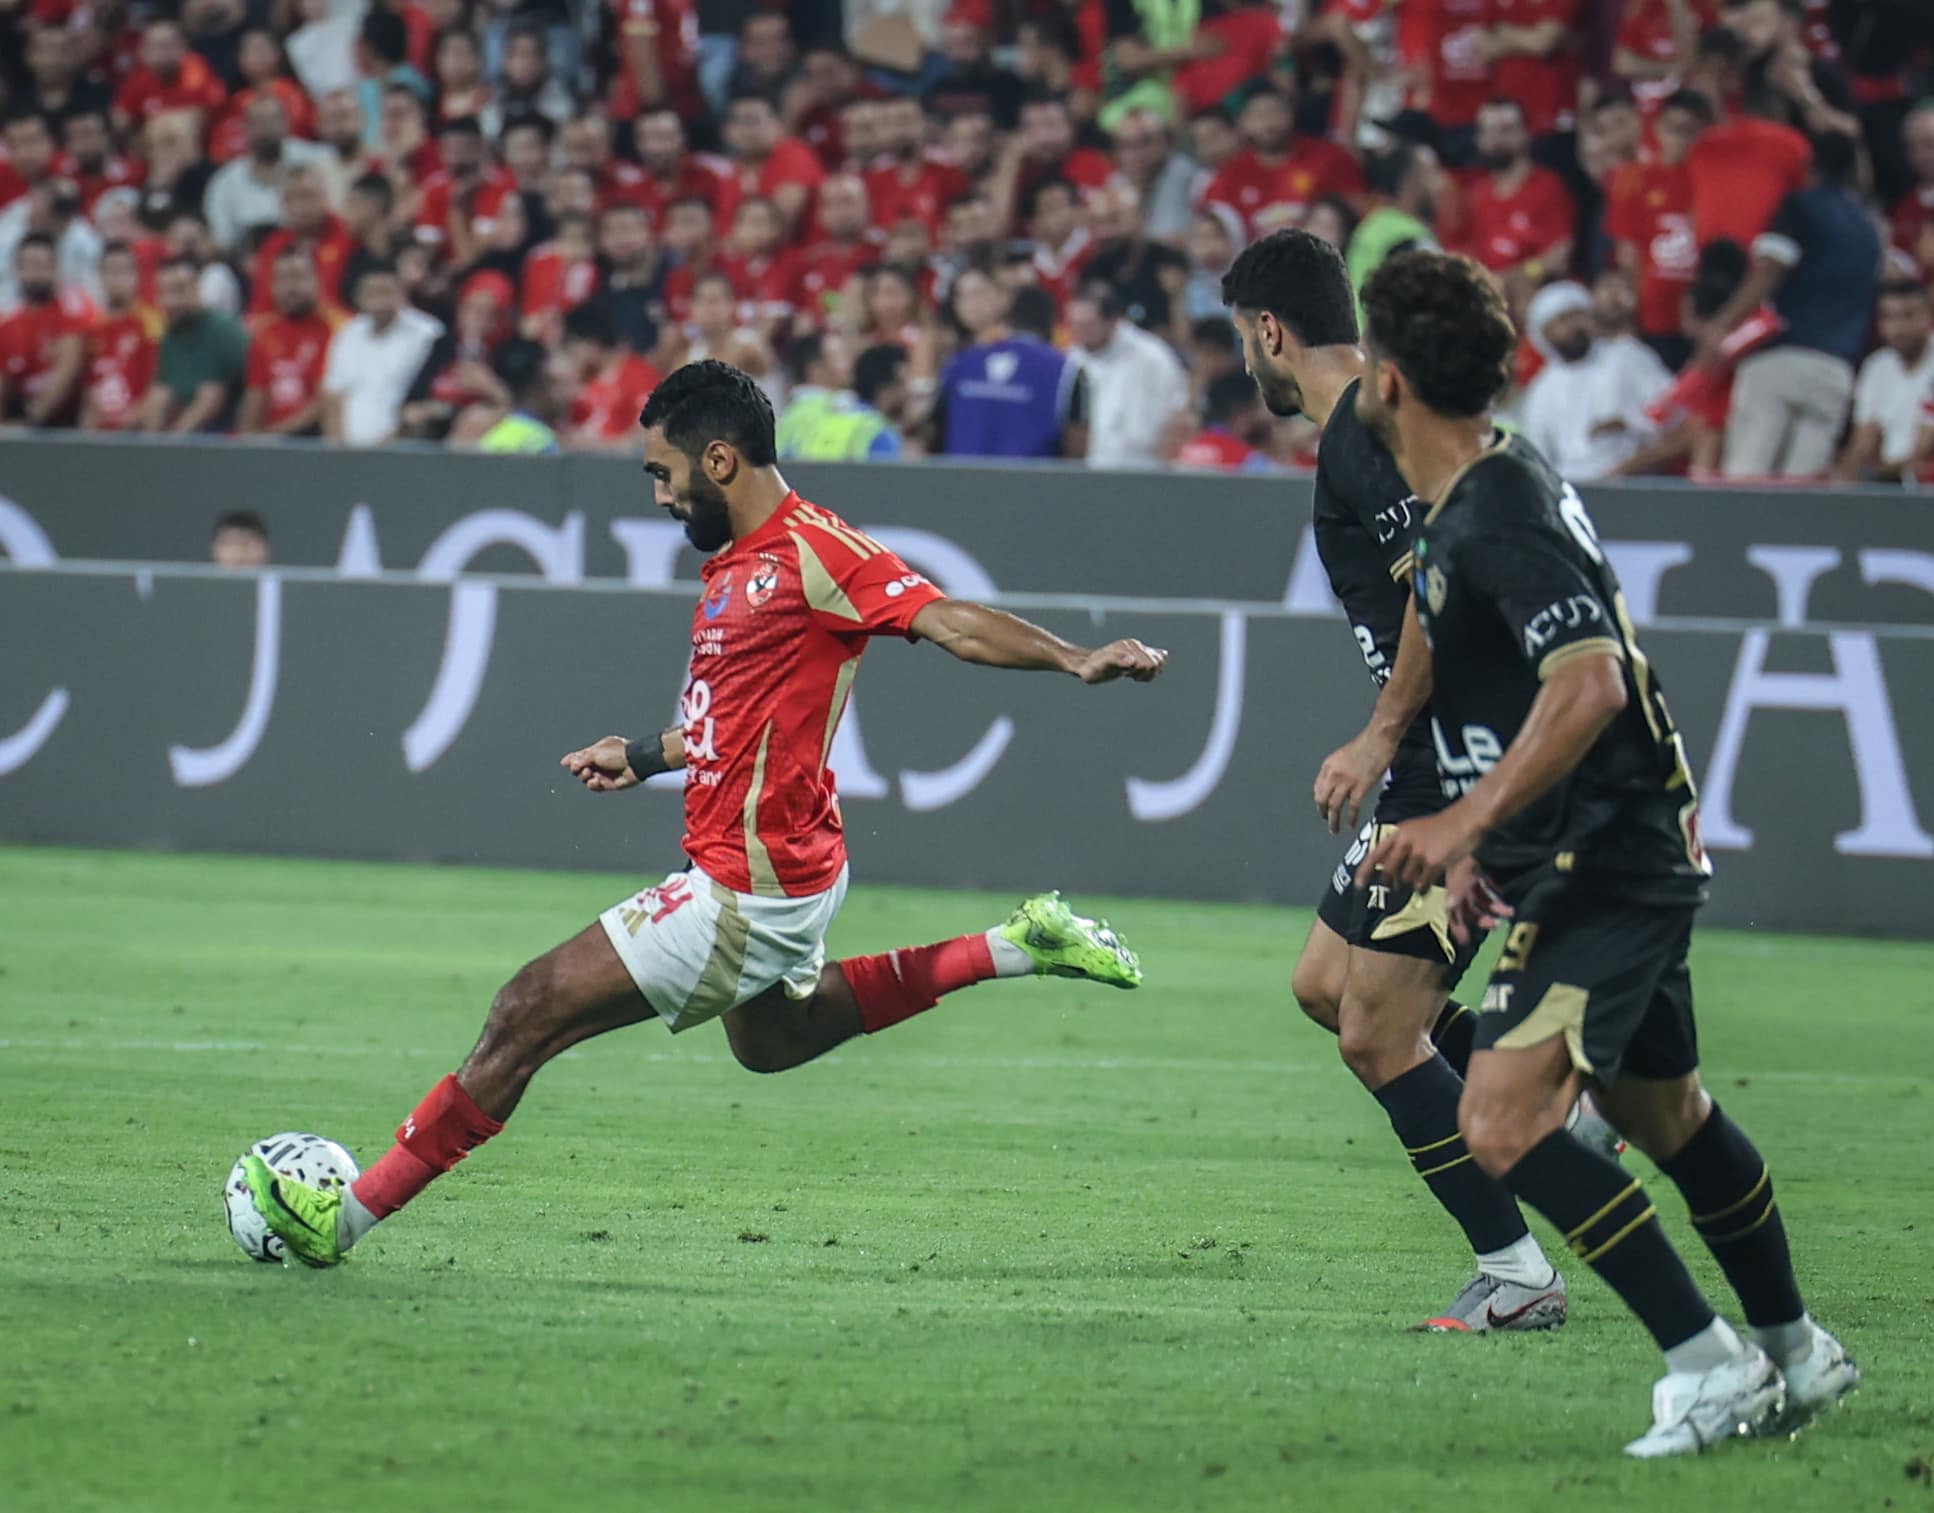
1043,1248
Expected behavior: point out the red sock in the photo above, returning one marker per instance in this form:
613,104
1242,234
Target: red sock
445,1128
913,979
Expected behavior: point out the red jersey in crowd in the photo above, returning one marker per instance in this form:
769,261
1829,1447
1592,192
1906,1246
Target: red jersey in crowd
1058,269
1741,170
607,407
791,161
894,195
1271,194
785,615
1645,29
286,357
766,285
121,354
144,94
1913,214
825,268
1649,206
1213,447
1248,35
330,253
229,139
116,172
1441,41
31,337
440,199
700,177
1546,87
671,29
553,282
1502,230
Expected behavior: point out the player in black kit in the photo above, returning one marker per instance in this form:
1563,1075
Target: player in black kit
1573,816
1379,960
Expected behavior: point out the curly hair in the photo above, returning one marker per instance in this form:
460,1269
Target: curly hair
1440,320
710,401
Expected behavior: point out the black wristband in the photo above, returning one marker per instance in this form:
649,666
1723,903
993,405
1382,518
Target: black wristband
646,758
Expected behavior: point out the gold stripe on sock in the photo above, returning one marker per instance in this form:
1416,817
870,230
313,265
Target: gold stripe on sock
1740,1234
1627,1192
1765,1176
1650,1210
1435,1145
1433,1171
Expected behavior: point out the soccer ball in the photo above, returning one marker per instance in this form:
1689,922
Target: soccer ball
305,1158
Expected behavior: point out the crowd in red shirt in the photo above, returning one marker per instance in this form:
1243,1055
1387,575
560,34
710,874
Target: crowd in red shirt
823,191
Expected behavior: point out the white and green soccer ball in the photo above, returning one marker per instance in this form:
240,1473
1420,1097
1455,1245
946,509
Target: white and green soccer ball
303,1158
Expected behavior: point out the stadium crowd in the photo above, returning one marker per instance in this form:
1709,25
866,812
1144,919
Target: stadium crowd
964,227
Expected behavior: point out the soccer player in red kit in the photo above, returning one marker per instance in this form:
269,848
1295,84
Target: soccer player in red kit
791,598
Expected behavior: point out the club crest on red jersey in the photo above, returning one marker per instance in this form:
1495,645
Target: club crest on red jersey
763,584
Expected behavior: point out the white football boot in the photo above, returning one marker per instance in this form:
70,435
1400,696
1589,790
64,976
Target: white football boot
1817,1376
1696,1410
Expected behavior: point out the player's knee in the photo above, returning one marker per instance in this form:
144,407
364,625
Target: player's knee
763,1051
1377,1047
1316,995
1497,1133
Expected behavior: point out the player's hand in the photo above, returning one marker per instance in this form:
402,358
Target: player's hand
601,766
1417,853
1122,659
1472,901
1349,775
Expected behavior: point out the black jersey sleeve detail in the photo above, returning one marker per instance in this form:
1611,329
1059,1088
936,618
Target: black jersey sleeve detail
1543,592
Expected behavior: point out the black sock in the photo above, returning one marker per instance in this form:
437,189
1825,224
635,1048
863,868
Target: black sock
1456,1027
1422,1105
1613,1228
1730,1192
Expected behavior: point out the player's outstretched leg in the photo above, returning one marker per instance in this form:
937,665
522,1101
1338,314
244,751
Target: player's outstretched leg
1716,1385
1729,1188
867,994
576,991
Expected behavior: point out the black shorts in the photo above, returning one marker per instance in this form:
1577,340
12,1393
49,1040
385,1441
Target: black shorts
1609,975
1388,918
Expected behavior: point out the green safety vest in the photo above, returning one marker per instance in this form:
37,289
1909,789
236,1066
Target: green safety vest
825,425
517,432
1165,24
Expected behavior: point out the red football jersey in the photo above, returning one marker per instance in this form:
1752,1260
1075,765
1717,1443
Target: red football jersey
1058,269
607,407
433,210
286,360
790,162
1442,42
1213,447
825,269
1547,88
1741,170
116,173
701,176
554,283
143,95
329,253
1269,195
229,139
924,196
31,336
1501,231
1650,206
671,27
776,641
121,355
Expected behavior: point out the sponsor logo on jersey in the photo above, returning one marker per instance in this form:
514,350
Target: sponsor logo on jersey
715,602
900,585
763,584
1435,588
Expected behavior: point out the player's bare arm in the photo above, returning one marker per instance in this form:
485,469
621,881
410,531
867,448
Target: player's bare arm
1354,771
614,763
1582,696
994,638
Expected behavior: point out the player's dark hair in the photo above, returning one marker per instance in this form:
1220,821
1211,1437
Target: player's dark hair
1030,308
1694,102
1227,396
591,321
385,35
239,520
1300,279
799,355
710,401
1836,158
877,367
1440,320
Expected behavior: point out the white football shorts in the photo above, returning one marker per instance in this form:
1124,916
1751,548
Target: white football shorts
696,948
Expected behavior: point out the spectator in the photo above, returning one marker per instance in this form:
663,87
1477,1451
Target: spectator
558,275
215,283
1045,148
1146,158
814,107
373,360
526,147
586,144
339,127
1212,143
1654,48
1744,166
121,346
1234,419
967,141
259,62
247,192
1585,409
1062,244
657,59
1008,394
671,172
714,331
908,181
306,224
1215,236
461,89
881,378
1810,94
91,161
767,61
524,422
382,57
368,218
42,342
1334,219
1444,50
1896,383
613,382
1277,175
1172,61
59,84
1532,49
461,198
1913,217
177,177
633,277
1135,382
1145,275
846,247
203,358
824,420
52,208
1051,60
1214,348
1819,263
763,270
168,78
967,78
1518,222
768,163
30,156
1650,220
456,373
694,250
526,87
288,350
405,144
1409,185
322,50
239,540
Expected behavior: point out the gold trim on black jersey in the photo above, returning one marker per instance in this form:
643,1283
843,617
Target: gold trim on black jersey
1591,646
1503,440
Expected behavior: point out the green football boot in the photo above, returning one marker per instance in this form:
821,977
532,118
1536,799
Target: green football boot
1061,943
304,1216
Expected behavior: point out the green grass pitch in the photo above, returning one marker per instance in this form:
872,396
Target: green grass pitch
1046,1247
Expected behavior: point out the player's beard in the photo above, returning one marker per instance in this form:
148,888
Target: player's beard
1282,396
708,521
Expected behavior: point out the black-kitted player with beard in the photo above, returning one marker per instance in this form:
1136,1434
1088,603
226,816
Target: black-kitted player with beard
1577,820
792,596
1379,961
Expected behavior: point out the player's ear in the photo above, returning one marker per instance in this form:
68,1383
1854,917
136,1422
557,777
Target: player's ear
1272,337
721,461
